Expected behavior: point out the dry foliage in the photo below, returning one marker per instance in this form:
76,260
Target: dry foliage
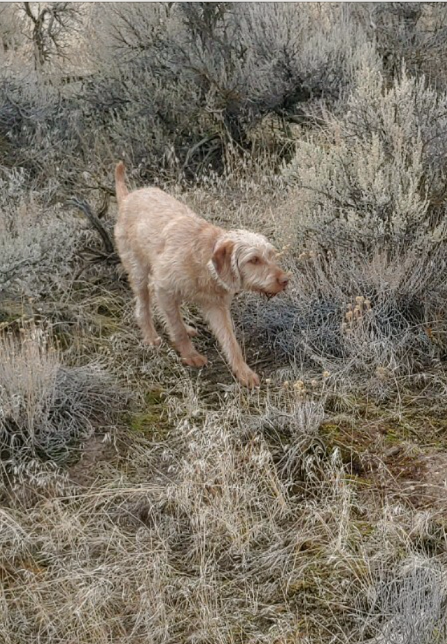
146,502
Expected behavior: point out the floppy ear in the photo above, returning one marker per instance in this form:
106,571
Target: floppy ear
222,260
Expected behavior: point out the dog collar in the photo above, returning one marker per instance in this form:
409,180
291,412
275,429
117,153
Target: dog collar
217,277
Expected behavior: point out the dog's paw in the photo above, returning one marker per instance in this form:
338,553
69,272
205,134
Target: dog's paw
194,359
152,341
247,377
191,331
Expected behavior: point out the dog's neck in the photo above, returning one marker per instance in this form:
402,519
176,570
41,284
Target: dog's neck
217,278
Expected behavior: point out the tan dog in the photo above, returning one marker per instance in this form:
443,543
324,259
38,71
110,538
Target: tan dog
161,241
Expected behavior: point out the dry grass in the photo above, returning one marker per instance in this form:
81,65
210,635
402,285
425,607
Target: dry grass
142,501
238,524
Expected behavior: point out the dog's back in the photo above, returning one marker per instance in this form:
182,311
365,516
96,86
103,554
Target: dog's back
150,204
150,220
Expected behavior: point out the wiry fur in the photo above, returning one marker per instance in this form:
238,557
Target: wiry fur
162,242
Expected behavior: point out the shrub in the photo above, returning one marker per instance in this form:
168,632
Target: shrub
37,244
370,286
205,74
178,88
372,177
413,32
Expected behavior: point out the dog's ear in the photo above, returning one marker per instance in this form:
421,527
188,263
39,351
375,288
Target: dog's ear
222,260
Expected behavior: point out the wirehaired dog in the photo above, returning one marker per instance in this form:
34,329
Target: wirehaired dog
162,243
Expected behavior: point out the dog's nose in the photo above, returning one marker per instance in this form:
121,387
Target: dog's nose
283,280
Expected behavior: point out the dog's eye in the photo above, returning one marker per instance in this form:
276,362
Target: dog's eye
255,260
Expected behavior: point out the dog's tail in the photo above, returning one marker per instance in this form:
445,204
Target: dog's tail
120,185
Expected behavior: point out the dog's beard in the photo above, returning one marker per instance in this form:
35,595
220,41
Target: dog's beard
263,291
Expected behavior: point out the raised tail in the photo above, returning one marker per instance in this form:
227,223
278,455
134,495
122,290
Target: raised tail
120,185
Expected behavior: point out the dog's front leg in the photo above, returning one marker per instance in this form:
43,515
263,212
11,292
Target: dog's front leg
178,332
221,324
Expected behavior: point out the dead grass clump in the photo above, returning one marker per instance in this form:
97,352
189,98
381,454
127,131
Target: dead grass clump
47,408
407,603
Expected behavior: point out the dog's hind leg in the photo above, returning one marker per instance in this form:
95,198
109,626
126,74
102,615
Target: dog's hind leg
140,286
191,331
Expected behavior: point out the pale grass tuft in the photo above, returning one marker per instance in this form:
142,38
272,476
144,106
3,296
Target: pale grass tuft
47,408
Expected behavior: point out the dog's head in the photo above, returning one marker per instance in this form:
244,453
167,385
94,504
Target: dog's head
246,261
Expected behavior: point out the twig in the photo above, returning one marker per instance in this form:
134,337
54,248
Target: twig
84,207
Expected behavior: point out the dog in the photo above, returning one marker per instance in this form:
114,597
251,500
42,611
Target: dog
164,244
